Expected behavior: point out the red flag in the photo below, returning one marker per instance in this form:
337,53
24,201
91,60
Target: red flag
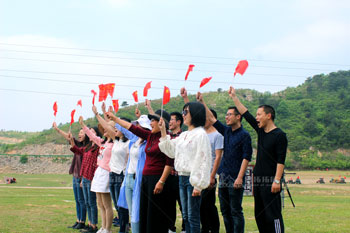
93,99
72,117
190,68
205,81
166,95
110,89
135,96
80,103
103,93
241,67
55,108
145,90
115,105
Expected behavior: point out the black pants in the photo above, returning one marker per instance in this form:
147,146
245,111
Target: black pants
268,210
173,195
209,212
153,207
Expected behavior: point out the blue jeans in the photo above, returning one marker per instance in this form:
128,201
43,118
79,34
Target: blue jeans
79,200
190,205
115,182
231,207
90,201
129,190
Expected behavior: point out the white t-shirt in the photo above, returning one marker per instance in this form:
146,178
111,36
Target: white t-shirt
119,157
134,157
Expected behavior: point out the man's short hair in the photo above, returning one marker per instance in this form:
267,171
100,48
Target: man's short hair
214,113
235,111
268,109
178,117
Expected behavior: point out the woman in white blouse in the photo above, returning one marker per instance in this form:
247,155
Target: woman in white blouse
192,153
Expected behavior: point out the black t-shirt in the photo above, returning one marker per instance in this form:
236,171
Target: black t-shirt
272,149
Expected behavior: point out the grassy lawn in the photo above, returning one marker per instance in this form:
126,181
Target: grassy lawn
45,203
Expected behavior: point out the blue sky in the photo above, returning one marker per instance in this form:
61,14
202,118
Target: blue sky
60,50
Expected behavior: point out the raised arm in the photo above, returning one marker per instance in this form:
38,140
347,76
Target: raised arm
102,121
97,140
119,121
241,108
149,107
183,93
64,134
209,115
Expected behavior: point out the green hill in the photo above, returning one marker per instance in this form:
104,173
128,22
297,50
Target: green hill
315,115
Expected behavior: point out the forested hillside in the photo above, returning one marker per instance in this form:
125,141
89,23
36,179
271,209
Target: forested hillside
315,115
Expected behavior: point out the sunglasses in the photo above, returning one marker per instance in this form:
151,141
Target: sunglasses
184,112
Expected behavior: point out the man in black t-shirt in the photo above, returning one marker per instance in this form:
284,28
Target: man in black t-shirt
268,171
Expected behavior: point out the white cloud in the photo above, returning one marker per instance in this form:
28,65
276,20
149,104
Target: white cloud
312,41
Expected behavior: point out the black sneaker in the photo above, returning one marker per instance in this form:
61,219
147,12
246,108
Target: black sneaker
75,224
80,226
87,229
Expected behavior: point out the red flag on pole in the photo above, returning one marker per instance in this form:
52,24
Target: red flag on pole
115,105
166,95
241,67
204,81
145,90
72,117
55,108
134,94
80,103
190,68
103,92
110,89
93,99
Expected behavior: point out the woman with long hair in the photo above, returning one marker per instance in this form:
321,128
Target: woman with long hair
100,181
153,203
75,171
89,165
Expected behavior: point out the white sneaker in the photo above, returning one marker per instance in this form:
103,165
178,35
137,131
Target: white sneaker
106,231
101,230
170,231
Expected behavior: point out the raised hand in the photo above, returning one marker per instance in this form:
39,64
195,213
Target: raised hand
94,109
183,92
110,109
54,125
137,113
103,107
232,92
111,116
81,121
199,97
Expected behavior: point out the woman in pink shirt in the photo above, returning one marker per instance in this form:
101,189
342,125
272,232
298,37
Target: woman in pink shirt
100,182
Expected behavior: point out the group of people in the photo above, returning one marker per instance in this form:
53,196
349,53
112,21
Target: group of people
148,165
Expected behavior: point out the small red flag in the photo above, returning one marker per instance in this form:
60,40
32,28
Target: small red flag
166,95
204,81
80,103
110,89
145,90
190,68
241,67
72,117
93,99
115,105
103,92
55,108
135,96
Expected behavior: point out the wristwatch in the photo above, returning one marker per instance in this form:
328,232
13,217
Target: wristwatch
276,181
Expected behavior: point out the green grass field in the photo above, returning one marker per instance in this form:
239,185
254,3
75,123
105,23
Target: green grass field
45,203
